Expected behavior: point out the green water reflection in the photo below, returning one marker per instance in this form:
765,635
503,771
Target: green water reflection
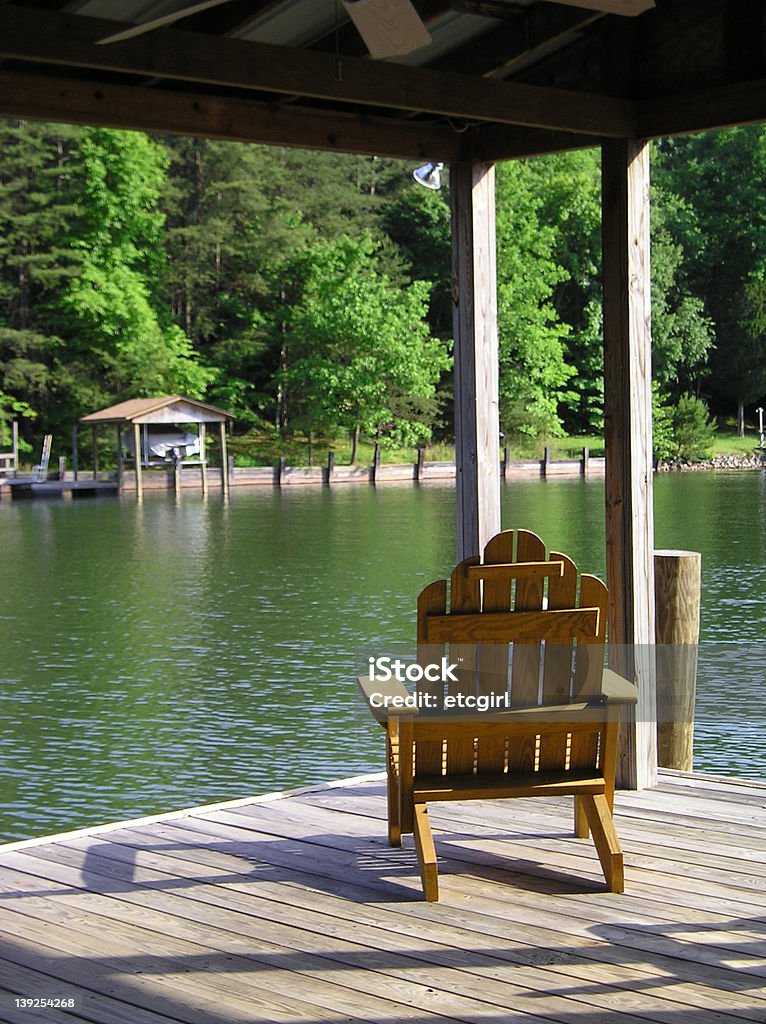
173,654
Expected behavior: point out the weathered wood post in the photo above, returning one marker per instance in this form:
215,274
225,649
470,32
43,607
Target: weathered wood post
137,460
281,467
202,457
677,586
420,463
224,457
15,446
585,461
546,461
505,462
75,453
628,446
120,460
330,465
376,463
474,318
94,443
177,471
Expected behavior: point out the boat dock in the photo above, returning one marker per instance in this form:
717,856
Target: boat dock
26,487
292,908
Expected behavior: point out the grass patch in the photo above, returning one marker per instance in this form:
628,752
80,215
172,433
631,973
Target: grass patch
266,449
727,443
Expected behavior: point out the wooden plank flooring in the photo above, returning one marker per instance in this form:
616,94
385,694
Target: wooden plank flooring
294,910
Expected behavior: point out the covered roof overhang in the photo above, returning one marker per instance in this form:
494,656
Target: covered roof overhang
167,409
501,78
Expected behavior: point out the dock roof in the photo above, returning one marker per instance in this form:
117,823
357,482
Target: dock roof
164,409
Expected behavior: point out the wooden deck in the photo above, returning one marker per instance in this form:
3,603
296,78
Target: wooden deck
293,909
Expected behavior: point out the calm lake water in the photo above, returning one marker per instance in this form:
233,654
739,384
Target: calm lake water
173,654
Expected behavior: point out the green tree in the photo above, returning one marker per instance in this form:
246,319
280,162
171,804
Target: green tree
118,319
720,223
361,357
37,206
533,370
569,187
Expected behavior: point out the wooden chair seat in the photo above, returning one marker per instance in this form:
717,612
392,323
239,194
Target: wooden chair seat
528,635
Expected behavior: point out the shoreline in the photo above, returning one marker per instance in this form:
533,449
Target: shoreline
718,462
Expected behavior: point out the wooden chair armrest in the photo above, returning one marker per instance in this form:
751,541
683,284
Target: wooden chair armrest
386,700
617,690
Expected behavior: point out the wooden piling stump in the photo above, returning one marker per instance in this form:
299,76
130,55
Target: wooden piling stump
677,600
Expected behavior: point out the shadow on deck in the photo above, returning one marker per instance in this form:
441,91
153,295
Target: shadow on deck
294,909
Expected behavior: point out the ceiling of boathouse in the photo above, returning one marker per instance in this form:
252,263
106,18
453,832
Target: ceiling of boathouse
498,79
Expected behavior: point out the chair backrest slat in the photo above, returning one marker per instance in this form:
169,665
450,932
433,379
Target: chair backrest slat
491,751
558,668
465,599
525,669
431,601
530,628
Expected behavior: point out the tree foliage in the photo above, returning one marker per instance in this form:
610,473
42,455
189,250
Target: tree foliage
360,355
533,369
290,288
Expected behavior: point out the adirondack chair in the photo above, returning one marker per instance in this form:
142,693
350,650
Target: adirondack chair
530,641
40,472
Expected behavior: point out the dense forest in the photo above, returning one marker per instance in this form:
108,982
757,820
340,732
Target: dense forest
309,293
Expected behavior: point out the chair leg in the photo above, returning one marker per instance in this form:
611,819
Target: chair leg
606,841
424,844
393,789
581,829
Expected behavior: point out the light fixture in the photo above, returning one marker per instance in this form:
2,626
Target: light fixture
429,176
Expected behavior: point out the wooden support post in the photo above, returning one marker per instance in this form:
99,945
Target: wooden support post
15,446
330,465
546,461
224,458
585,461
203,457
231,467
75,453
120,461
677,586
505,462
137,460
281,467
420,464
94,443
628,437
376,463
177,464
474,296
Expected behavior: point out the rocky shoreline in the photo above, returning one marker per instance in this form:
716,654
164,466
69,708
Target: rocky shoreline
755,461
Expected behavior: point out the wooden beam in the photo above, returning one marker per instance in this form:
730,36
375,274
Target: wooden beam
474,294
627,8
157,110
493,143
703,109
71,40
628,437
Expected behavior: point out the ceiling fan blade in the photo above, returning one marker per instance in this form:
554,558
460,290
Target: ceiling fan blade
389,28
626,7
166,19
